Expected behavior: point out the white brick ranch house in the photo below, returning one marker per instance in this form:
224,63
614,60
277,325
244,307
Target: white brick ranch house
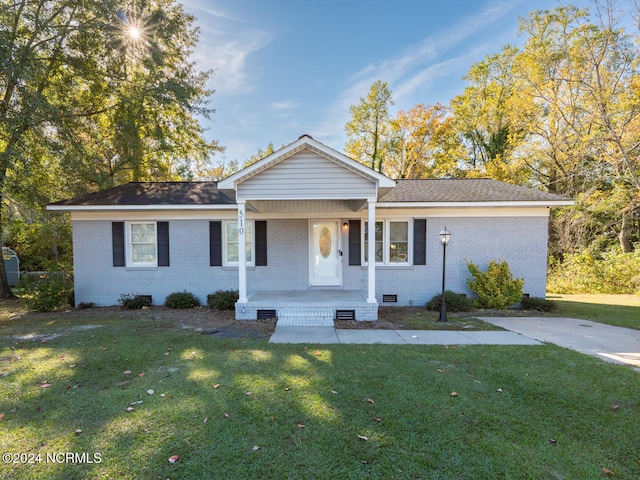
304,216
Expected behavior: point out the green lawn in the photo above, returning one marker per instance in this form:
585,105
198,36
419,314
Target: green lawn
338,411
617,310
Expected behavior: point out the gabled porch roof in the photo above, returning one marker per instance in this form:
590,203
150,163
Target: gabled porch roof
307,170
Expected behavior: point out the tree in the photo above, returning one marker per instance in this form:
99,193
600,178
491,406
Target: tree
422,143
489,117
368,129
259,155
101,91
583,79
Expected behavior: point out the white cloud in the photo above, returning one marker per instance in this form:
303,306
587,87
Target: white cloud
226,42
413,67
284,105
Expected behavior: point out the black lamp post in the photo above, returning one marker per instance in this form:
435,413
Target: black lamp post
444,239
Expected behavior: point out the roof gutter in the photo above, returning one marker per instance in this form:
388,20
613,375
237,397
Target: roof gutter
540,203
103,208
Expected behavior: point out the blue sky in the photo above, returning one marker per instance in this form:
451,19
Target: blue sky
284,68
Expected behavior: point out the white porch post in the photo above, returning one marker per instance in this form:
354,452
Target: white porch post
242,256
371,252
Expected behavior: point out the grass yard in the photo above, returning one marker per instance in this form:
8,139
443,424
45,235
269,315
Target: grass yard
616,310
243,408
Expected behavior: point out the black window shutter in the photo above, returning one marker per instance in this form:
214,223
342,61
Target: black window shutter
117,243
354,242
419,241
261,243
215,244
163,243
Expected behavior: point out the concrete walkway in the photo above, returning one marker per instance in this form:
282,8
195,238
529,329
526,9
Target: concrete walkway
327,335
614,344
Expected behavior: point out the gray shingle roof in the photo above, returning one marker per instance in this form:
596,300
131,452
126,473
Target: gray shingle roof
467,190
464,190
154,193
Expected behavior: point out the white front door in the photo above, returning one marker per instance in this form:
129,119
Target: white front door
325,250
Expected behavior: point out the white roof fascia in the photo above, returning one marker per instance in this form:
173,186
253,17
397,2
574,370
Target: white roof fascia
519,203
303,142
79,208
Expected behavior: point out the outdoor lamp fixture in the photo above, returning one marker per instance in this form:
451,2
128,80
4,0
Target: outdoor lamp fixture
445,236
345,227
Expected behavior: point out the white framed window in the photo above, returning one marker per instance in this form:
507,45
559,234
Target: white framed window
231,251
142,245
393,242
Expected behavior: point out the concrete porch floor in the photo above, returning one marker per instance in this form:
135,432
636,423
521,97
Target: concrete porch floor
308,297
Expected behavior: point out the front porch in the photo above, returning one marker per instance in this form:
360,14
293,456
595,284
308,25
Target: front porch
313,307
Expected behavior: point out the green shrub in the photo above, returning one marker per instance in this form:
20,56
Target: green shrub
596,272
48,291
495,288
135,302
455,302
222,299
181,300
537,303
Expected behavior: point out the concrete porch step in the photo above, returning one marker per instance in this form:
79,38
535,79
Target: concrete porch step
290,317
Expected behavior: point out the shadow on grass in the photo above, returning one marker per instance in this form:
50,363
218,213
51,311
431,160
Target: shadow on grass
339,411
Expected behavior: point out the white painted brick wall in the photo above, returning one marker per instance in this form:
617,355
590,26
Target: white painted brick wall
521,241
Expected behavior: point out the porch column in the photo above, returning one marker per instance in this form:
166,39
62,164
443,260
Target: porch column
371,251
242,256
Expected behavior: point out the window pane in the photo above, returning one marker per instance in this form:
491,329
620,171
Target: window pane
143,233
232,232
232,252
379,243
399,242
399,231
143,253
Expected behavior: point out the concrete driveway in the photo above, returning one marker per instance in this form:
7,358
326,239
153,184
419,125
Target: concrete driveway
614,344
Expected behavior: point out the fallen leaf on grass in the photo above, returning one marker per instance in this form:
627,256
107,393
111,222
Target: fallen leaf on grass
453,394
105,348
1,416
255,448
141,374
150,392
301,425
499,390
216,386
614,407
78,431
226,415
333,391
45,385
440,370
287,389
607,471
552,441
206,419
377,419
174,458
317,352
130,409
249,394
127,372
362,437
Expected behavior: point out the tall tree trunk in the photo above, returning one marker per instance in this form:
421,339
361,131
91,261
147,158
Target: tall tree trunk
5,289
625,232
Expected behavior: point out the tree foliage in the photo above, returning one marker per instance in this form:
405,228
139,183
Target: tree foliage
94,93
368,129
